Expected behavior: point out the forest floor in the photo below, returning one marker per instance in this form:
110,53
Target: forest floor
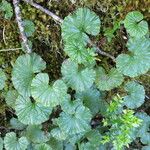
47,40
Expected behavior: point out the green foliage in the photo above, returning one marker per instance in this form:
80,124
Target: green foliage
2,79
30,111
75,111
143,130
23,72
82,21
35,134
48,95
76,121
136,95
7,9
138,61
12,143
121,125
108,81
76,78
109,32
11,97
1,143
77,51
135,25
91,98
42,147
146,148
16,124
29,27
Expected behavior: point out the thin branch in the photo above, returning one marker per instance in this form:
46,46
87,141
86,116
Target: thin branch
55,17
98,50
20,25
4,36
11,49
58,19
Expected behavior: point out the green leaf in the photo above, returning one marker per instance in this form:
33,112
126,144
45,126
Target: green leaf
42,147
138,62
55,144
69,146
146,147
29,112
136,95
145,139
135,25
87,146
73,139
77,52
1,143
11,97
12,143
108,81
29,27
75,123
16,124
94,137
48,95
23,72
70,106
144,127
78,79
2,79
82,21
7,9
91,98
36,135
58,134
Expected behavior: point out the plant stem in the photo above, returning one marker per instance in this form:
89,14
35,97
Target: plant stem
11,49
20,25
98,50
55,17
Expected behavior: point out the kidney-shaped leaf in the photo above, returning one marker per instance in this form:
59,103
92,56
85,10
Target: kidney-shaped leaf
79,80
36,135
146,147
82,21
16,124
48,95
143,129
91,98
2,79
1,143
11,97
42,146
75,123
135,25
58,134
29,112
77,51
23,72
136,95
108,81
139,61
12,143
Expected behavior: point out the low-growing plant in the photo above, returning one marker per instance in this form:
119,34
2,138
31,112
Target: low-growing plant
80,94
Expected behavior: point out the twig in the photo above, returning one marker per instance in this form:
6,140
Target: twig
11,49
55,17
98,50
58,19
4,36
20,25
